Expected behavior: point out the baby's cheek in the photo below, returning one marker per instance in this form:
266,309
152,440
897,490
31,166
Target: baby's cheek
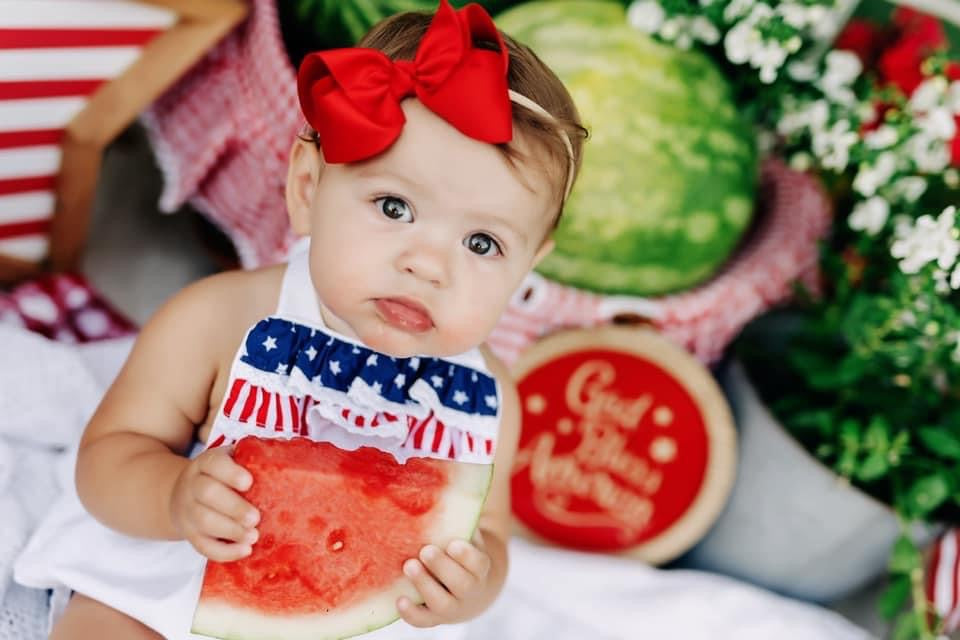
469,331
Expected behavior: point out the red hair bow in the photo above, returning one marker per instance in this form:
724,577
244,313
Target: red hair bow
352,96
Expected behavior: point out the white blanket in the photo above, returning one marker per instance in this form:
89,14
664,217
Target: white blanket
49,390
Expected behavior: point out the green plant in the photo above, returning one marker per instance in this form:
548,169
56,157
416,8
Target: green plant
868,377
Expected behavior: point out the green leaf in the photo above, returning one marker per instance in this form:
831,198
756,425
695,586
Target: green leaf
926,494
905,556
874,466
906,627
940,442
894,597
819,419
877,436
850,434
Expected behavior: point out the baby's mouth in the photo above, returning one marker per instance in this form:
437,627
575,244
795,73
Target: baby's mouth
404,314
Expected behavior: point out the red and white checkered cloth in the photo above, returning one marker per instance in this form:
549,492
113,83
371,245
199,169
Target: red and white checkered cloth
222,137
63,307
54,54
943,579
783,248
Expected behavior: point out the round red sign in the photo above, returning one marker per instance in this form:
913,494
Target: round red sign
621,440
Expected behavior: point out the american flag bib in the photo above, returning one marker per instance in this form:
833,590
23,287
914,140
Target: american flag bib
293,376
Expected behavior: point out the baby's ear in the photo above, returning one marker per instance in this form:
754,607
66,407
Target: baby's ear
543,251
302,177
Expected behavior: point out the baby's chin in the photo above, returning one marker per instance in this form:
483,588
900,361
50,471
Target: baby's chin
404,344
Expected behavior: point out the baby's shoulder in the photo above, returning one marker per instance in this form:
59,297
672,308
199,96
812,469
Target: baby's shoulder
225,303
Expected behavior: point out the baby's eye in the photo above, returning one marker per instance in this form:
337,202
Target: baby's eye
394,208
482,244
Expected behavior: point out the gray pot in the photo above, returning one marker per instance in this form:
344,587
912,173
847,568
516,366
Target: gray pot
791,524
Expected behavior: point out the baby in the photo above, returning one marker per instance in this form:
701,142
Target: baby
435,167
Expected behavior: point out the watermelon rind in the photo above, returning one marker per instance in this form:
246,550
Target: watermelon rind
462,504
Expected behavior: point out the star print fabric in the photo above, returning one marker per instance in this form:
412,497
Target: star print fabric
292,379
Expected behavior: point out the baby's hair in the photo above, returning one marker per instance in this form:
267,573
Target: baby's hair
399,36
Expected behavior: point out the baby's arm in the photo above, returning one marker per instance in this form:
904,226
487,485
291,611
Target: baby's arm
460,582
132,473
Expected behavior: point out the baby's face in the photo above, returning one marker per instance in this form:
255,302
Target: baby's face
417,251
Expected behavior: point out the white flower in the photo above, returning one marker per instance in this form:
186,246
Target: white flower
736,9
833,146
907,318
792,119
938,123
955,278
801,161
843,67
928,95
679,30
802,70
797,117
646,15
825,22
684,41
768,58
930,154
951,178
872,177
881,137
866,112
740,42
704,30
670,28
819,114
870,215
953,97
928,240
766,142
910,188
795,15
940,284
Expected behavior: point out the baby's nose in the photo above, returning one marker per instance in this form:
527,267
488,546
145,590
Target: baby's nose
428,263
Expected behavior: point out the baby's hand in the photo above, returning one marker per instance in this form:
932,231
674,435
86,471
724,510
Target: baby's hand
451,583
206,509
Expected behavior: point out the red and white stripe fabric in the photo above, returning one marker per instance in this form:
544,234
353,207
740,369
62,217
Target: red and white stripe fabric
943,579
794,214
289,415
53,56
222,137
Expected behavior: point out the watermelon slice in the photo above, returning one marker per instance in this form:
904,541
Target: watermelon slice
336,527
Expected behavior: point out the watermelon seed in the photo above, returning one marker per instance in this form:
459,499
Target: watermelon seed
335,539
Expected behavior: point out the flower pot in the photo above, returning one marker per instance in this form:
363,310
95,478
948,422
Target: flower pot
791,524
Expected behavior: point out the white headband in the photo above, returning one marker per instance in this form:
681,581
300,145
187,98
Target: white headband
524,101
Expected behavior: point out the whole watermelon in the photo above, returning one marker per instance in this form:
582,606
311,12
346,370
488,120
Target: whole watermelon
670,170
